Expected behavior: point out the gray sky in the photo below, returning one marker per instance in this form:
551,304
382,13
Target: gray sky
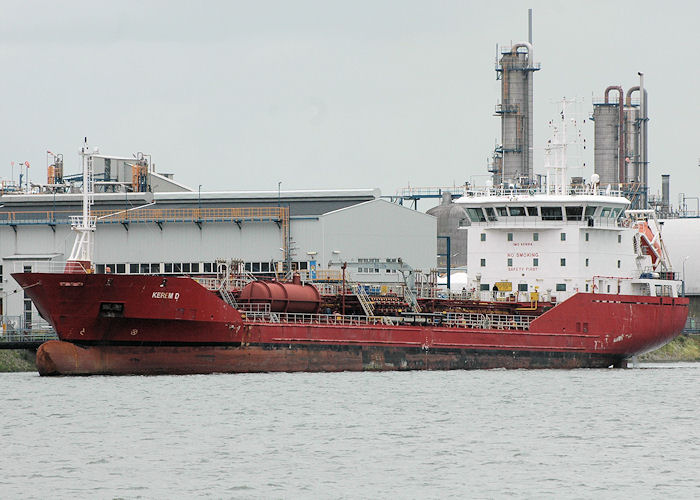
323,94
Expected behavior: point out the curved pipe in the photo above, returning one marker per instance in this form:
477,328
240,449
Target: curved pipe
614,87
621,136
628,99
528,46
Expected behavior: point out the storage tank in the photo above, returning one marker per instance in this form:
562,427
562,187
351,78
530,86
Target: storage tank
282,297
450,217
606,117
609,144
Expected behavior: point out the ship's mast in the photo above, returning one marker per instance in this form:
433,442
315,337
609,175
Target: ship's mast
555,155
84,225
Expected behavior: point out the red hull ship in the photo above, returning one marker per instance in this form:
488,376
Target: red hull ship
134,324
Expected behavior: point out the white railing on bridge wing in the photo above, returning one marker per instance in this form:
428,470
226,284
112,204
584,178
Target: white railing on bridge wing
477,192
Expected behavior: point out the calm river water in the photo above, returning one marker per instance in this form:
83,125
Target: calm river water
476,434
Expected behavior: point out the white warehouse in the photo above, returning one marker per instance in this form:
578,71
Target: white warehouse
186,232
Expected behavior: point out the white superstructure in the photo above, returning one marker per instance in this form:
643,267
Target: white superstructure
555,245
551,241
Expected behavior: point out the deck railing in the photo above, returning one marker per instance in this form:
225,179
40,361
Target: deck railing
452,320
13,329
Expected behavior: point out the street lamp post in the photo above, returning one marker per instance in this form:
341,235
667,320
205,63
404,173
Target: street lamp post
448,261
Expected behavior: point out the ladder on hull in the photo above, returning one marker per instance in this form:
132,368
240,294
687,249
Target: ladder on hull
364,299
228,297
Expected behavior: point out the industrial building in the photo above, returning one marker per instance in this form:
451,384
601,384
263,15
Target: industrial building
186,232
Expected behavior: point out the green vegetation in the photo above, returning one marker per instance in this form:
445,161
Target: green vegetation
17,360
683,348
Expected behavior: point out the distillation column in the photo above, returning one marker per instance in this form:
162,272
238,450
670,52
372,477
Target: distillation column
515,156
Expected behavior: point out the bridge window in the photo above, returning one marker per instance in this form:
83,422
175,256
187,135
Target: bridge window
532,211
490,214
614,213
605,212
502,211
517,211
551,213
476,215
574,213
590,211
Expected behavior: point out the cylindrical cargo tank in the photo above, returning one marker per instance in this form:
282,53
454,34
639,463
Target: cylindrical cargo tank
282,297
606,117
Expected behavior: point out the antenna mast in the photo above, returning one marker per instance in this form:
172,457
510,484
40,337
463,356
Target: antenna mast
84,225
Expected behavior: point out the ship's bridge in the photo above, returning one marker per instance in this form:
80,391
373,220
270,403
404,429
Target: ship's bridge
524,244
537,210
